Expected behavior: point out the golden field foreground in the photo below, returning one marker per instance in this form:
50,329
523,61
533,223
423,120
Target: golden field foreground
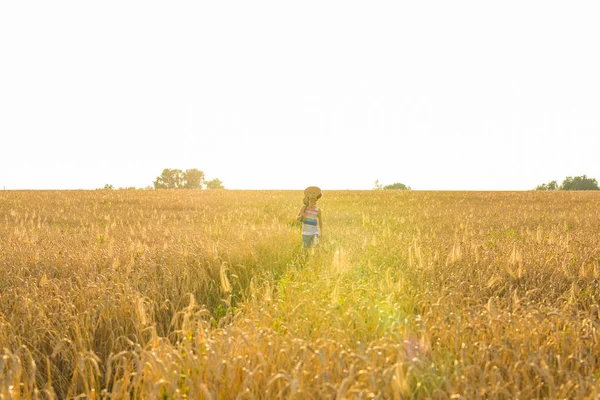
208,294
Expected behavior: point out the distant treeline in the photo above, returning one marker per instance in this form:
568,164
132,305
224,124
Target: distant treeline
571,183
179,179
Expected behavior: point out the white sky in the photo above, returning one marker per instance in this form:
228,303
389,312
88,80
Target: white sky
458,95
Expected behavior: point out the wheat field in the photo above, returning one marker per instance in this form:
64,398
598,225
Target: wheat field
209,295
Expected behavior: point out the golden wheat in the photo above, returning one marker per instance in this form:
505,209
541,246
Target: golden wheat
208,294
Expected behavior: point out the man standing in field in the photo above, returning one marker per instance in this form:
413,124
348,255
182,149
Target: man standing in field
311,217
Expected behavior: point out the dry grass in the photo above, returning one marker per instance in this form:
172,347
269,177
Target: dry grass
185,294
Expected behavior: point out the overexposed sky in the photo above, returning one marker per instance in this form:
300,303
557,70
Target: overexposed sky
450,95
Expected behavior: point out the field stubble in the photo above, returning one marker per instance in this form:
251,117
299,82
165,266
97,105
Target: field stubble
207,294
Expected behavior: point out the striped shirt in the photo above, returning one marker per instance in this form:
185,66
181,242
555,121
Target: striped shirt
310,221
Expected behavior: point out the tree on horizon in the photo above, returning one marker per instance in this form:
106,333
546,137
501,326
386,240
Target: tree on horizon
169,179
189,179
214,184
579,183
396,186
548,186
193,179
393,186
571,183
